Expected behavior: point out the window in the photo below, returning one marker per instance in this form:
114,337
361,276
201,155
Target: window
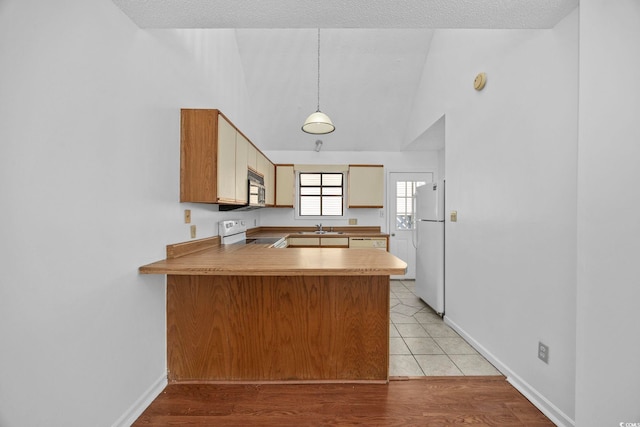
405,198
321,194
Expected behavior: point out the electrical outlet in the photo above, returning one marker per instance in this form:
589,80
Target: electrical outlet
187,216
543,352
193,231
353,221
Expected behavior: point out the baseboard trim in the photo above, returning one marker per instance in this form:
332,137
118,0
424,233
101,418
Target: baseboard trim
558,417
141,403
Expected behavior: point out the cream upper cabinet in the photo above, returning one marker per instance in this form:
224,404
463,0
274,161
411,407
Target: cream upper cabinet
242,190
366,186
270,184
252,157
261,163
226,161
285,186
267,170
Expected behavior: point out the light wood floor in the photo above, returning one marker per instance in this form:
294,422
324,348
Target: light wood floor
428,401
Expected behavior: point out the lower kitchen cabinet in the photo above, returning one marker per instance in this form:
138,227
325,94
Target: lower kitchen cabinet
338,242
369,242
297,242
334,242
325,242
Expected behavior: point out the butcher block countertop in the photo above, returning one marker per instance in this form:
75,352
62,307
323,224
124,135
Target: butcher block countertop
206,257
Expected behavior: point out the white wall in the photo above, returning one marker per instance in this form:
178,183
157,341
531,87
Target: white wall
415,161
608,336
511,154
89,183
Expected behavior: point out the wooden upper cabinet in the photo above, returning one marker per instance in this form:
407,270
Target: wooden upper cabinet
199,156
285,186
214,159
366,186
207,157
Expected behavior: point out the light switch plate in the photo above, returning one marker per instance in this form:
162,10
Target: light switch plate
193,231
454,216
353,221
187,216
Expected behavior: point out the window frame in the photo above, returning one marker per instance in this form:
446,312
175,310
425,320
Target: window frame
299,196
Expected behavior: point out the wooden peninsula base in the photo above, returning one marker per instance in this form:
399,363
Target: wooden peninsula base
277,328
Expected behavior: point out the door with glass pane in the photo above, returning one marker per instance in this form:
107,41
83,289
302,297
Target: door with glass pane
402,188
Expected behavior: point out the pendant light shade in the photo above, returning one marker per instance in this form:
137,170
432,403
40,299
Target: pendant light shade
318,123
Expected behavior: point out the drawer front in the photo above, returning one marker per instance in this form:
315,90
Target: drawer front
335,241
304,241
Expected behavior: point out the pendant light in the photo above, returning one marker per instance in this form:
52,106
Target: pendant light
318,123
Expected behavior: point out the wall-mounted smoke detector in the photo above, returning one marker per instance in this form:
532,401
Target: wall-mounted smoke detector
480,81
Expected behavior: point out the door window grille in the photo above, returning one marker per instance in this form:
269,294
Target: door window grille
405,203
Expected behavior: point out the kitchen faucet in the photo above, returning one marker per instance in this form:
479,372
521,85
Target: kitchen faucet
319,226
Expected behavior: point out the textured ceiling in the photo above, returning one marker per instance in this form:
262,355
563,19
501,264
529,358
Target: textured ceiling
372,56
346,14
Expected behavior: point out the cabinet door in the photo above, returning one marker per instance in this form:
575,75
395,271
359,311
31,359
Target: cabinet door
304,241
242,190
198,156
285,186
265,168
226,161
252,157
366,186
261,164
270,184
336,242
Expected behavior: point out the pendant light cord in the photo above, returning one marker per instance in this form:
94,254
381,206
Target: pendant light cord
318,70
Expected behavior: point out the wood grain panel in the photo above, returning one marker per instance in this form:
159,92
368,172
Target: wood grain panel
255,260
198,154
277,328
431,401
185,248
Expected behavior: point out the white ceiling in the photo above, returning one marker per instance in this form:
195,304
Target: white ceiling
372,56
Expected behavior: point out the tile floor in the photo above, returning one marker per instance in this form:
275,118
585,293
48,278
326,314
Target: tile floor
420,344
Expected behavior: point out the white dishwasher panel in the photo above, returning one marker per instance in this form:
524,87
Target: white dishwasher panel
368,242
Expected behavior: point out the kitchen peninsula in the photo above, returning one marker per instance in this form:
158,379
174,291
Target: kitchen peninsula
252,313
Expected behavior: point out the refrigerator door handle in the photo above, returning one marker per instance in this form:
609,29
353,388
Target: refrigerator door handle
414,234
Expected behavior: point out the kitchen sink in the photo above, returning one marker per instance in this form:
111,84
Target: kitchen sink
320,232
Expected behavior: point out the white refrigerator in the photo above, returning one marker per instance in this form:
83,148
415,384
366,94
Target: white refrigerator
429,242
